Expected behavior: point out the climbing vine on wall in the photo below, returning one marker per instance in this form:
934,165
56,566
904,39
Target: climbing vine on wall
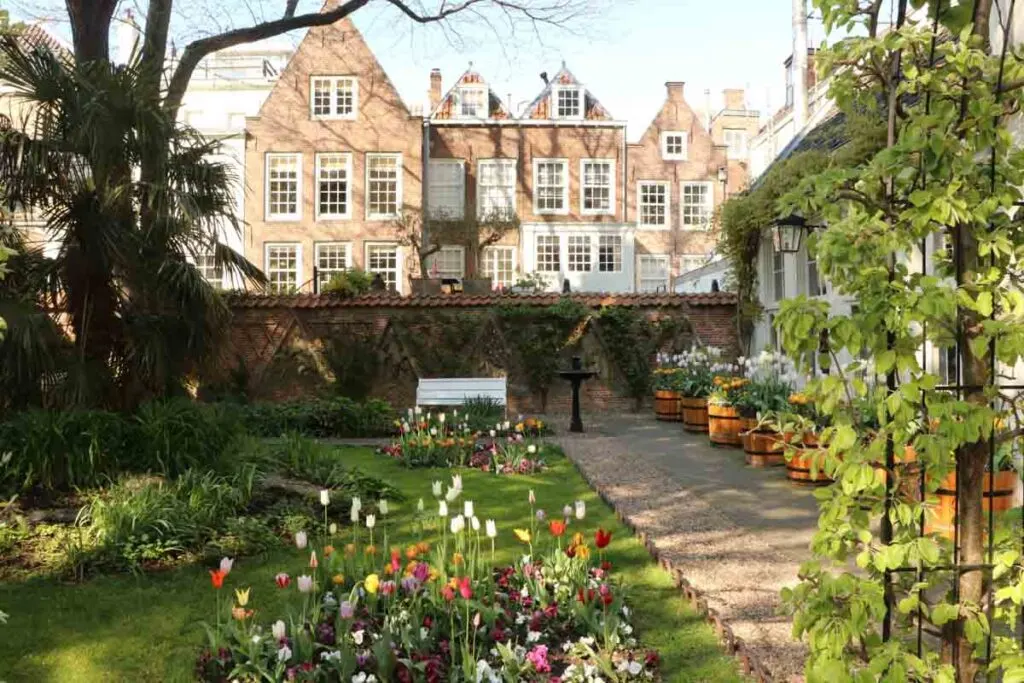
632,339
440,343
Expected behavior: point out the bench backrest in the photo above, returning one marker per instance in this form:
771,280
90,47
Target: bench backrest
455,391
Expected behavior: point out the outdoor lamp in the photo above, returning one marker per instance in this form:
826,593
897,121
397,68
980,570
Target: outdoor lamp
786,233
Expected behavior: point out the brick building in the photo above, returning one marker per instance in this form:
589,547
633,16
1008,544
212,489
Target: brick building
335,157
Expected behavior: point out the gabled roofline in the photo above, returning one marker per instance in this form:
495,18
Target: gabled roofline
458,84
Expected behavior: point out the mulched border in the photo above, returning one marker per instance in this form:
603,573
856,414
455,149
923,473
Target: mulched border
733,644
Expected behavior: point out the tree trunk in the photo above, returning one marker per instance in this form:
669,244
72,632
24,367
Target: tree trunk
90,28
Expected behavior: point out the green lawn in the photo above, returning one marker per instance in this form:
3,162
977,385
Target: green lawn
147,628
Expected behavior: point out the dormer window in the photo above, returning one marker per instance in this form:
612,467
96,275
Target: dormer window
673,145
333,97
568,102
472,103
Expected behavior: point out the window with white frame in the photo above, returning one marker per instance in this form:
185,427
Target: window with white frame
284,186
778,275
597,186
579,254
499,264
282,266
653,272
383,185
568,102
674,145
653,205
550,186
448,263
697,202
332,258
609,253
333,185
446,192
549,254
736,141
693,262
496,187
206,264
333,97
382,259
815,286
472,103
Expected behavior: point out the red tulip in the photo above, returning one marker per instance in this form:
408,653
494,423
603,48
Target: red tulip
217,578
557,527
282,580
465,589
602,538
396,562
447,593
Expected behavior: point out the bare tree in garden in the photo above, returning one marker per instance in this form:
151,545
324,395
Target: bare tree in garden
948,173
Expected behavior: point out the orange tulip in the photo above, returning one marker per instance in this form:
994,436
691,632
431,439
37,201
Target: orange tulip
217,578
557,527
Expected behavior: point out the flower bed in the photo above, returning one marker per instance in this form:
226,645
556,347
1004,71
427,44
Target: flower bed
429,440
441,612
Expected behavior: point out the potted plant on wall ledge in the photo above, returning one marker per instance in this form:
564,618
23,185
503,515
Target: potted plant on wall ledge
772,377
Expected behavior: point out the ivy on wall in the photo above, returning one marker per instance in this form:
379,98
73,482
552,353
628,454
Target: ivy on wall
632,339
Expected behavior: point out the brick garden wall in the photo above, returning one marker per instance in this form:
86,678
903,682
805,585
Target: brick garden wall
281,341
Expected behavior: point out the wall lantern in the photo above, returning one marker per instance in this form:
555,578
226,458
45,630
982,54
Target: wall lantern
786,233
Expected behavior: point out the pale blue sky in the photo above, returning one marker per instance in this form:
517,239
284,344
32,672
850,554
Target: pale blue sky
623,54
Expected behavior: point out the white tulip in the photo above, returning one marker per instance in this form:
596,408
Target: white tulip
451,495
491,528
305,583
325,497
333,529
475,523
531,449
436,489
457,481
226,563
279,630
440,418
567,511
581,509
420,507
458,524
301,540
357,503
371,521
418,410
533,498
433,431
284,654
382,506
492,433
354,515
467,508
442,509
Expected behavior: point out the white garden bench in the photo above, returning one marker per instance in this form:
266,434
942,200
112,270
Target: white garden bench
455,391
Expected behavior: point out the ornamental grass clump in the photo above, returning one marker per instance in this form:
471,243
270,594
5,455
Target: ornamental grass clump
433,612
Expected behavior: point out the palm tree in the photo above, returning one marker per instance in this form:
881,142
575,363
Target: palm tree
138,314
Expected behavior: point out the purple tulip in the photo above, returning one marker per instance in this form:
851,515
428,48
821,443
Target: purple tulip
346,610
410,584
540,515
421,571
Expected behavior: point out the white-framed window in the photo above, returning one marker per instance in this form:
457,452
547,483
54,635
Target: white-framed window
499,263
674,145
472,103
692,262
567,102
597,186
496,187
282,265
696,205
580,256
815,285
446,192
383,259
653,205
333,97
778,275
333,186
283,186
331,258
448,263
609,253
652,270
549,254
383,186
207,266
736,141
550,186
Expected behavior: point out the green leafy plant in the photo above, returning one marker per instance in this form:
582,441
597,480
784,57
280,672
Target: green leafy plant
348,283
336,417
354,362
632,339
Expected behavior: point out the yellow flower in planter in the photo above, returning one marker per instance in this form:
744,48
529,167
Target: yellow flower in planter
372,583
522,534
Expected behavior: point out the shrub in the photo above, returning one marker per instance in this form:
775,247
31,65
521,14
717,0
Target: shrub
355,363
336,417
177,435
349,283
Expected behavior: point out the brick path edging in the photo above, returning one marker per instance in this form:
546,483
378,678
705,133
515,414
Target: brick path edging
734,645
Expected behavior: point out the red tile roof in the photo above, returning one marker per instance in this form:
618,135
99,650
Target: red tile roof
391,300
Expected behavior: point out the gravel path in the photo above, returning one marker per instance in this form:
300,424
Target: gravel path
737,534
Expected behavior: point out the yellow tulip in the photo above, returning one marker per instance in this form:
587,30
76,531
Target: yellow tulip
372,582
582,552
522,534
338,579
242,596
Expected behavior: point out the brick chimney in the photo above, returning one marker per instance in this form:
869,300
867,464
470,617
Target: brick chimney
435,88
735,99
675,90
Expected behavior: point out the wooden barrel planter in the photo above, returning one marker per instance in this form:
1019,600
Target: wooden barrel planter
763,448
723,425
666,406
997,496
695,414
798,466
909,474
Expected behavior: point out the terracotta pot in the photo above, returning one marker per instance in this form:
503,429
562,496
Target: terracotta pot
723,425
666,406
997,496
763,447
695,414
